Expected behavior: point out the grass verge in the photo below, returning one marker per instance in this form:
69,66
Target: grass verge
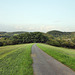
64,55
16,60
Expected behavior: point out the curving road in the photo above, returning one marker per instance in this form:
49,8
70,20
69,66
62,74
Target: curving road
43,64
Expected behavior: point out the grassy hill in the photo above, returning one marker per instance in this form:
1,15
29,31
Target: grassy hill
56,33
9,34
64,55
16,60
63,39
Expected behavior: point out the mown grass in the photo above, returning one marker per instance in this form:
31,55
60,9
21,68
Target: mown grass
64,55
16,60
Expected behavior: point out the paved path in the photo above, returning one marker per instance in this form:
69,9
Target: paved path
44,64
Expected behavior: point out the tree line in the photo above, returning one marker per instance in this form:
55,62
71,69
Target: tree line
38,37
32,37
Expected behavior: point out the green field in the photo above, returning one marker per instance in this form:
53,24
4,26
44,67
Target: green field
64,55
16,60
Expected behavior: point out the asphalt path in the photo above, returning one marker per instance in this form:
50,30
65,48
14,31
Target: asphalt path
43,64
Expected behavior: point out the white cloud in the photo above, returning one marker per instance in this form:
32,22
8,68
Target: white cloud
18,27
34,28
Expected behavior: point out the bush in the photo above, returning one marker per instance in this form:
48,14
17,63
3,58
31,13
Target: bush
1,44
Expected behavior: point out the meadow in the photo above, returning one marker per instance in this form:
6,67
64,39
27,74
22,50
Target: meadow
64,55
16,60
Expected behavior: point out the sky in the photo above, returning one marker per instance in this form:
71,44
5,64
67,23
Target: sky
37,15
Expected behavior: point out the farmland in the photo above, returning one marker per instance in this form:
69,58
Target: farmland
16,60
64,55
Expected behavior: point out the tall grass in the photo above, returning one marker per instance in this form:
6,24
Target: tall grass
16,60
64,55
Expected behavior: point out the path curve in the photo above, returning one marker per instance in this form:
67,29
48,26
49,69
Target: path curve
43,64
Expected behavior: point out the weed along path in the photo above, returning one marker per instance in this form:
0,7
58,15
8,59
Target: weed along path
43,64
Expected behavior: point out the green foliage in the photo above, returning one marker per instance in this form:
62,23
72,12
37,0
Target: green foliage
16,60
73,40
33,37
62,39
64,55
61,43
1,44
9,34
55,38
56,33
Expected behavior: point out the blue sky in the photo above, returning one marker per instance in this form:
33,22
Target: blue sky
37,15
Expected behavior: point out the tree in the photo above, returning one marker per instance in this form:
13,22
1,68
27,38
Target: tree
1,44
